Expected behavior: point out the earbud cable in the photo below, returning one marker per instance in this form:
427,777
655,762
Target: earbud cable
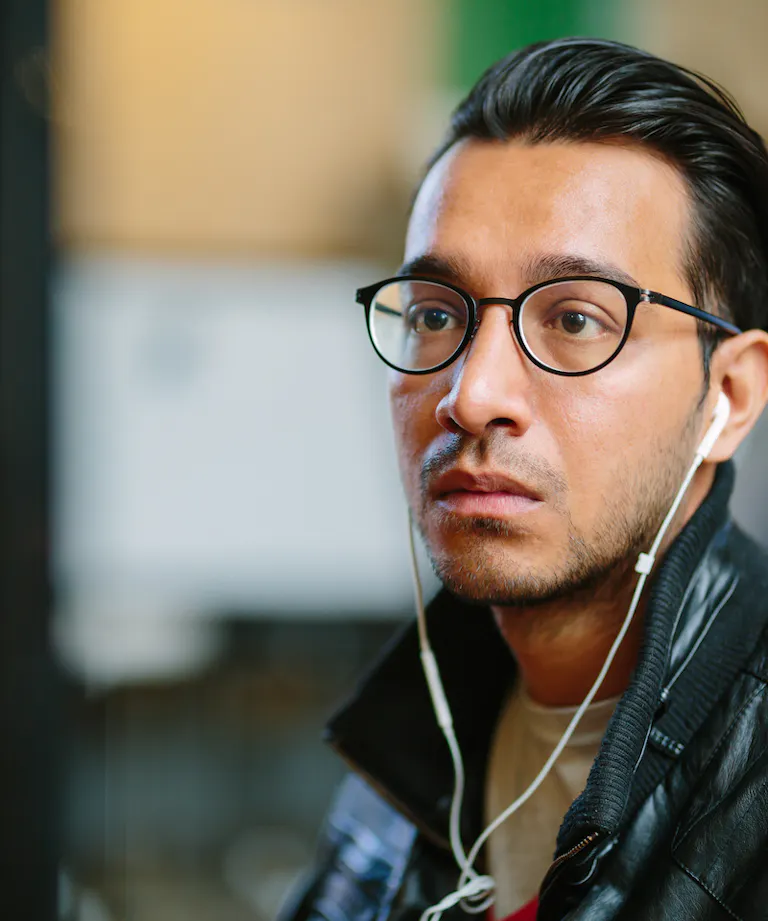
476,892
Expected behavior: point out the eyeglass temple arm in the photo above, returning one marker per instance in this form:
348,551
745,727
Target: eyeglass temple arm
380,308
364,296
693,312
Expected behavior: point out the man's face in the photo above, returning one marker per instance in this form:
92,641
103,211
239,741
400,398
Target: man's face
526,484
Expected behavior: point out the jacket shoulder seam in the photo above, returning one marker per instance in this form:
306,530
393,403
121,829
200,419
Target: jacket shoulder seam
757,692
757,675
681,835
706,889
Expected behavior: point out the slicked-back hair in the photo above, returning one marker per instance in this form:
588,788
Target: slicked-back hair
592,90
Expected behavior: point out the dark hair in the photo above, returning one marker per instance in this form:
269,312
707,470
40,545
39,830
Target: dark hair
588,89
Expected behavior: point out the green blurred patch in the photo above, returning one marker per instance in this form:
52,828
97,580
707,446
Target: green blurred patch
482,31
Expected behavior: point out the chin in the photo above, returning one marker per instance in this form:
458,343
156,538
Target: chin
486,571
489,590
490,575
523,590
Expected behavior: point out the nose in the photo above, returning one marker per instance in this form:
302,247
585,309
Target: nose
491,381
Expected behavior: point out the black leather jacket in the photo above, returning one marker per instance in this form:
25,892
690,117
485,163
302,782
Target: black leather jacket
673,822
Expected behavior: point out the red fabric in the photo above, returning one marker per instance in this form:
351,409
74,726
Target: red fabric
526,913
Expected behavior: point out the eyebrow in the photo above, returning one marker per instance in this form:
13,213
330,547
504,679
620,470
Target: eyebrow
544,266
536,268
451,268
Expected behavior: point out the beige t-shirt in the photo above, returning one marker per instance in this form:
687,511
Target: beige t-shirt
520,850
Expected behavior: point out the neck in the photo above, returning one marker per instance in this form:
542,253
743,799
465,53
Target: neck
561,646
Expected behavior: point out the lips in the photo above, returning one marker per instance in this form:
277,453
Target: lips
483,494
483,482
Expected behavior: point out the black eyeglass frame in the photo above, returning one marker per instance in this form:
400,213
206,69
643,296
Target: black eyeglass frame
633,296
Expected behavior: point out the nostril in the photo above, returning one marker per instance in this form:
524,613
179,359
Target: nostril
452,426
501,420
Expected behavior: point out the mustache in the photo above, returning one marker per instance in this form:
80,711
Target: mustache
499,454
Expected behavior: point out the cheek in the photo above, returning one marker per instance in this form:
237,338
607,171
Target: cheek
663,357
617,428
603,432
592,438
413,403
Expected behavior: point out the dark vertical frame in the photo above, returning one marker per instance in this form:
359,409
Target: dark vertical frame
28,688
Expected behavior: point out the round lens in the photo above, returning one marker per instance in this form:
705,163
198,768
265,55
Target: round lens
574,326
417,325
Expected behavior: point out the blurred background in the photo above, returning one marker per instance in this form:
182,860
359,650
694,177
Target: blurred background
201,509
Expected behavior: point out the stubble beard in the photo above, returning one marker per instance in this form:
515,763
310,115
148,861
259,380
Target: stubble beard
602,562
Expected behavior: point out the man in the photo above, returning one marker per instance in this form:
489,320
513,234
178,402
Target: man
582,257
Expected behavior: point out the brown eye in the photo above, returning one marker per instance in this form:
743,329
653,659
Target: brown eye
423,319
573,322
586,323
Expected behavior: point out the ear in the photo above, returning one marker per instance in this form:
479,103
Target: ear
740,370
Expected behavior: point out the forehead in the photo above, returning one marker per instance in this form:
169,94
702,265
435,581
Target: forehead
498,206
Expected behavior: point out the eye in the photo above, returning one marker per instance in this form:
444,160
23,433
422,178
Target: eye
431,317
576,323
578,320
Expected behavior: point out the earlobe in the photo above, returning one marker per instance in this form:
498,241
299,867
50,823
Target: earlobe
740,371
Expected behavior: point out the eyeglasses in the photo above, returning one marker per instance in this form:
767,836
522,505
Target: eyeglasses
569,326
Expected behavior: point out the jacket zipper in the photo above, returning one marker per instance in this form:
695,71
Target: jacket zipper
556,864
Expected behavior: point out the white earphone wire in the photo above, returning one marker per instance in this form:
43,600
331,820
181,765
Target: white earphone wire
471,885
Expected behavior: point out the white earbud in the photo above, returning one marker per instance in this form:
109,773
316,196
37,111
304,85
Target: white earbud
715,430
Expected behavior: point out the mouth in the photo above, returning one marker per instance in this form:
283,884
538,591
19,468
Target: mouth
487,494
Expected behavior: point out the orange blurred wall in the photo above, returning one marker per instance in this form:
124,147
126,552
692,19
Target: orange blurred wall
276,126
